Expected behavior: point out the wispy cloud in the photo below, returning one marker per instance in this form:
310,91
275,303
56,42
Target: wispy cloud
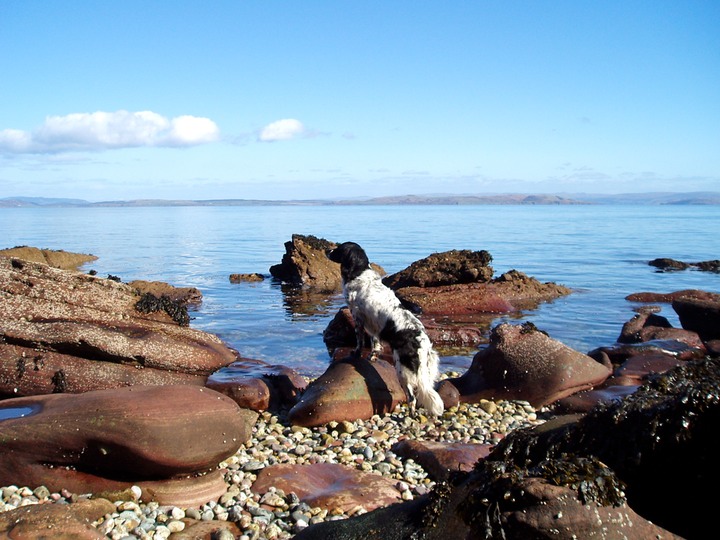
109,130
282,130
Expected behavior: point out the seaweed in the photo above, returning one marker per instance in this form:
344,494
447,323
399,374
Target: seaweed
149,303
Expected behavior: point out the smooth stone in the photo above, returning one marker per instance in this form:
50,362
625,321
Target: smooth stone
524,363
168,440
329,485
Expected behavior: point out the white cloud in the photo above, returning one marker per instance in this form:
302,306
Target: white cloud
107,130
282,130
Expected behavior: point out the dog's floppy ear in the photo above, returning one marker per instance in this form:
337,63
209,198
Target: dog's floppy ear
352,258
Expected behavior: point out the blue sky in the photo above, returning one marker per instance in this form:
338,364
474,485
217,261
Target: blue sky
308,99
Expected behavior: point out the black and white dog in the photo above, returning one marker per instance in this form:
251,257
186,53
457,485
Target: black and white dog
377,311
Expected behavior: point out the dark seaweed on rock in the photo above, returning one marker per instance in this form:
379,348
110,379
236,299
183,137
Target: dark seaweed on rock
661,441
149,303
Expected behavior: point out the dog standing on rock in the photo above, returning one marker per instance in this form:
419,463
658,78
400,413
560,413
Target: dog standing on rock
377,311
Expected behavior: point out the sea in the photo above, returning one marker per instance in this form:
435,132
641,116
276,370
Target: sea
600,251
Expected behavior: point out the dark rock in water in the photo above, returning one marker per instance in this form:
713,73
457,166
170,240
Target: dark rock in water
67,331
447,268
524,363
667,298
700,313
246,278
56,521
665,264
56,258
669,265
257,385
708,266
166,439
329,485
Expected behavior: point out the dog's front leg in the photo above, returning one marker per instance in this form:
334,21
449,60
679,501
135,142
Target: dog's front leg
359,337
376,349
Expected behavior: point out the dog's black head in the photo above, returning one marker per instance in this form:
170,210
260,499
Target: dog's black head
352,258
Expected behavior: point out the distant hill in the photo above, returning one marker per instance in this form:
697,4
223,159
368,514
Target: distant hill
693,198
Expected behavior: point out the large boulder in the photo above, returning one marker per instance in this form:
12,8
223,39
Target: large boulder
701,314
512,291
447,268
57,521
67,331
305,263
65,260
168,440
348,390
524,363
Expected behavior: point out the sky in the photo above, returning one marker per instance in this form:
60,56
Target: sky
342,99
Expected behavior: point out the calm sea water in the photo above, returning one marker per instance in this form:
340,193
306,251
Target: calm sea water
599,251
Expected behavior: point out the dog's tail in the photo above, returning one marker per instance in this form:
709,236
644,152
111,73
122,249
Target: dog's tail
427,396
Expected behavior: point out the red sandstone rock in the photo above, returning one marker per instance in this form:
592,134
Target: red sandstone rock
256,385
329,485
64,260
56,521
583,401
439,459
166,439
348,390
447,268
184,295
700,313
523,363
510,292
47,312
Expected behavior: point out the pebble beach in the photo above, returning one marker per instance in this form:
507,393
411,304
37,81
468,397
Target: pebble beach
364,445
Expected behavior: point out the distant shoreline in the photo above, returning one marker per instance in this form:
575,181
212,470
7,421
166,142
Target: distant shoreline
660,198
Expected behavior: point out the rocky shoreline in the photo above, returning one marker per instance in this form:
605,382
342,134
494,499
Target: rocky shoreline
229,447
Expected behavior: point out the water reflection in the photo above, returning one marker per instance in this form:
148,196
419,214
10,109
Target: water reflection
9,413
